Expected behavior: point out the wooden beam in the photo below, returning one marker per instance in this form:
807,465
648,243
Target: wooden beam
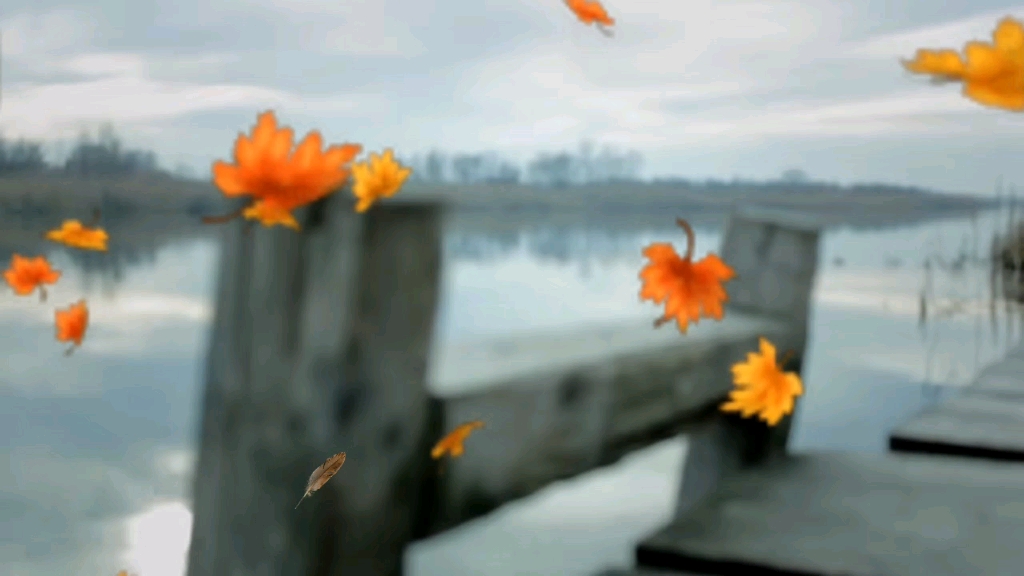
593,404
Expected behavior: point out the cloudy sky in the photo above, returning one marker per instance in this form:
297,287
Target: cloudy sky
704,88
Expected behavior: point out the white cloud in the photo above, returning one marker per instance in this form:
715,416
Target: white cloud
47,111
953,34
355,27
34,34
675,76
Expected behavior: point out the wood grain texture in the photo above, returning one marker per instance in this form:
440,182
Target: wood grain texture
321,341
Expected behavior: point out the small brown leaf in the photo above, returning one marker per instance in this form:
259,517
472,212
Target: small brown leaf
321,475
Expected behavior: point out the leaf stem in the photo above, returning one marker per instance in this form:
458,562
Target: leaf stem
785,358
223,219
42,293
690,238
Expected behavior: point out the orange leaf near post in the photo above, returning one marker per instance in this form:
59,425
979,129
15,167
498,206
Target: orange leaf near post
278,179
762,388
453,443
689,290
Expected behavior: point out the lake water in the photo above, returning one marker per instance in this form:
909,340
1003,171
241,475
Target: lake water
100,444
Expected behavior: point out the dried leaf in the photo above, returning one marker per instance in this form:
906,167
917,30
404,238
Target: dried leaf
992,73
762,387
452,444
321,475
689,290
381,177
278,179
591,12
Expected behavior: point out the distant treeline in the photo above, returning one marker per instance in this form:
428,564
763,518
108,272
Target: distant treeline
105,155
558,169
100,156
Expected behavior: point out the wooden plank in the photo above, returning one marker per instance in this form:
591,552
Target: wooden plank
479,363
976,424
855,515
643,572
985,421
544,425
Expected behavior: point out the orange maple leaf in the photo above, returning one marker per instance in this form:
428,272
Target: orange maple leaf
278,179
452,444
992,73
591,12
74,234
762,387
27,274
71,325
689,290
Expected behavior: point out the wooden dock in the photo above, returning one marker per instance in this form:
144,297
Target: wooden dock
322,343
986,420
948,501
854,515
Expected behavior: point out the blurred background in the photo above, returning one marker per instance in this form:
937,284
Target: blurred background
907,305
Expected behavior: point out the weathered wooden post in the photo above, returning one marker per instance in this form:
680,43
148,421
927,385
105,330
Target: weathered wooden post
775,255
320,344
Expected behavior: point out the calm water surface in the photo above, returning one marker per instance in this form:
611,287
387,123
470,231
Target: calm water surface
100,444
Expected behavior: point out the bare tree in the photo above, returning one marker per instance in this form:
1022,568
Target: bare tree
106,157
794,176
435,165
21,156
552,169
468,168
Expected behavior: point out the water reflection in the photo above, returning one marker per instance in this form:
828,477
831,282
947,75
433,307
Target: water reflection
100,445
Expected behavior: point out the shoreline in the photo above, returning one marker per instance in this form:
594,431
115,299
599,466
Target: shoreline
497,207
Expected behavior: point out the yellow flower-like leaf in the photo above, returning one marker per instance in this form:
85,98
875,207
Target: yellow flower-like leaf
381,177
269,214
762,388
992,73
72,233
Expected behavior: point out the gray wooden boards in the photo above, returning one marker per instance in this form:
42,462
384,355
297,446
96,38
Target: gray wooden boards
854,515
985,421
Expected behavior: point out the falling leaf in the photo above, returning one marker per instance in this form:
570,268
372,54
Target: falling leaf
762,387
992,73
72,233
452,444
71,325
277,179
321,475
689,290
27,274
591,12
381,177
